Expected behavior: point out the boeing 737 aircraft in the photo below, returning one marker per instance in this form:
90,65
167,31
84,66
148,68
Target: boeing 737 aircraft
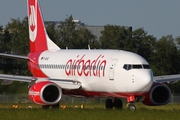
113,74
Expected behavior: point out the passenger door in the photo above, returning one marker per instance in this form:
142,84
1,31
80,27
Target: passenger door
111,69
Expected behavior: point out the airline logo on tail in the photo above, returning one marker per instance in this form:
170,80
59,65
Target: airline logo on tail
37,33
33,21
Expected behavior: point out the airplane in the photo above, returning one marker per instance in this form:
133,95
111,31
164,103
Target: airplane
112,74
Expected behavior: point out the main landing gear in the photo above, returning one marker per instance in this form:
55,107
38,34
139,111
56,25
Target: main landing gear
48,106
117,103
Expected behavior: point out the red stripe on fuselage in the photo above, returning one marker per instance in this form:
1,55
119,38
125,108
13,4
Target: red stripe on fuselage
102,94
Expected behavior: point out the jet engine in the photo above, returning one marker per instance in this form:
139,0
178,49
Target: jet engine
45,93
159,94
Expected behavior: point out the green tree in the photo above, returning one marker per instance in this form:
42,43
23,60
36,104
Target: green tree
166,57
75,36
110,37
52,32
67,33
6,65
1,33
19,43
177,41
85,38
115,37
144,43
5,41
20,36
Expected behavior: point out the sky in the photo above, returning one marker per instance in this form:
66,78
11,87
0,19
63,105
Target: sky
157,17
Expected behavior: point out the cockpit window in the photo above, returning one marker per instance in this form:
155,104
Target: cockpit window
135,66
146,66
127,67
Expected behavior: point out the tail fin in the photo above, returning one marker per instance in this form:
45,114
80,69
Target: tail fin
39,40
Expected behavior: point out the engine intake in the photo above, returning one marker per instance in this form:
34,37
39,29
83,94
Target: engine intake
45,93
159,94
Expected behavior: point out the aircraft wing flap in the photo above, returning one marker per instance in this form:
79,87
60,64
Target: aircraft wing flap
167,78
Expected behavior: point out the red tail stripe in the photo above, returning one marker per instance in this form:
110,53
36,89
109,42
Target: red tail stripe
36,22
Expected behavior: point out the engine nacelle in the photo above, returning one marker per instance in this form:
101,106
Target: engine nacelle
45,93
159,94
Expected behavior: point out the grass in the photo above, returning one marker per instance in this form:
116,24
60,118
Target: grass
90,112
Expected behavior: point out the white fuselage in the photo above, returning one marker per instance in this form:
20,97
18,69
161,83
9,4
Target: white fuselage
108,71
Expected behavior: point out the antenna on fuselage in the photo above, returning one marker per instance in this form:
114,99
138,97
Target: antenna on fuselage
89,47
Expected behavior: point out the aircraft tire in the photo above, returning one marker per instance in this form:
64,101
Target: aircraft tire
55,106
118,103
109,104
132,107
45,106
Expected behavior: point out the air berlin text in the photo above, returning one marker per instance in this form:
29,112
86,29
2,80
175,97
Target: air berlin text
87,67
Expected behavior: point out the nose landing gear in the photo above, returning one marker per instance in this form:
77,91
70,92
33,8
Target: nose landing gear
131,106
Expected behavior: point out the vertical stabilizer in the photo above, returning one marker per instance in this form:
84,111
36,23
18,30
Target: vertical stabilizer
39,40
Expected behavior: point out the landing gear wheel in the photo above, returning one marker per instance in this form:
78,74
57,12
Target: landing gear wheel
55,106
109,104
131,107
118,103
45,106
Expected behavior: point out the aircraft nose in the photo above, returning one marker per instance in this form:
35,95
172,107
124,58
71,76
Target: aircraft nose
144,80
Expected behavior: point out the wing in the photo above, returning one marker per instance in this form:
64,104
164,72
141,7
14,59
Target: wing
8,79
16,78
14,56
167,78
63,83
